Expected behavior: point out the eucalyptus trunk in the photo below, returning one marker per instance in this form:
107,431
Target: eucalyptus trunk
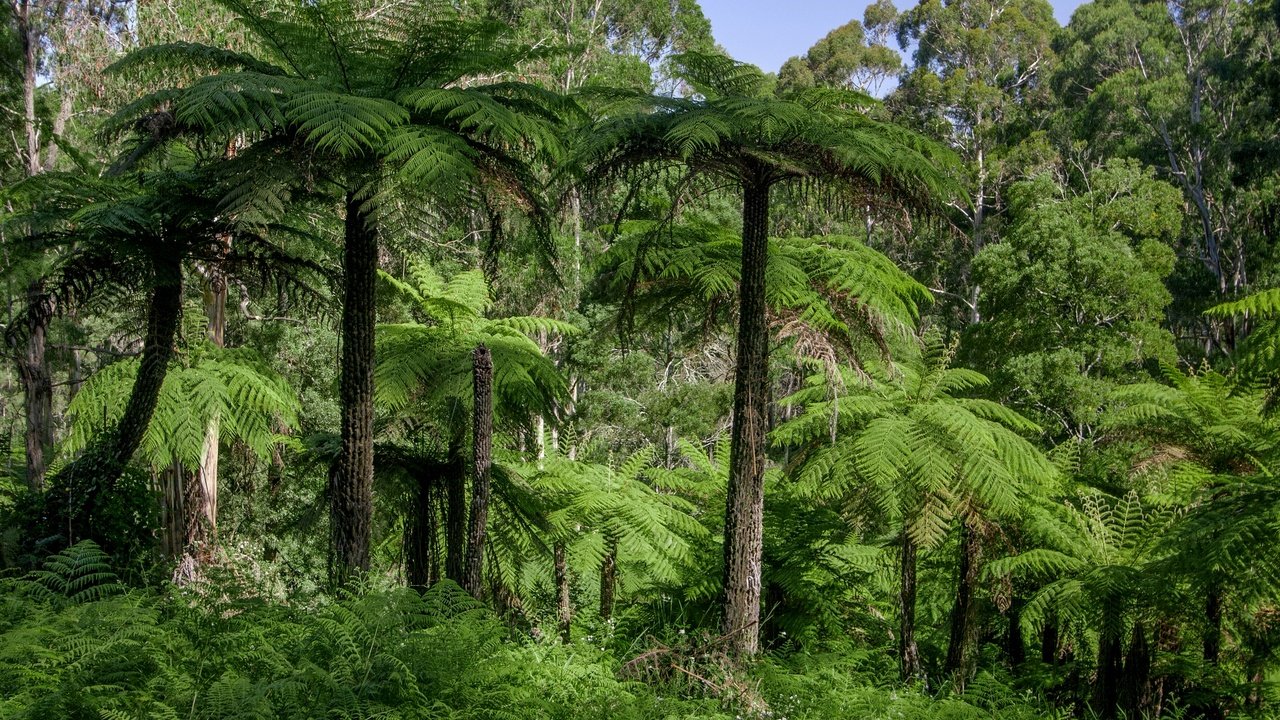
205,513
351,477
744,511
908,651
482,462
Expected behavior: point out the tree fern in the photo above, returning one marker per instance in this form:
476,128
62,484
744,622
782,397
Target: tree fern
250,400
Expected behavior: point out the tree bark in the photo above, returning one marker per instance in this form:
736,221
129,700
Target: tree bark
1137,691
173,510
744,511
564,610
908,651
1213,631
608,578
421,537
351,477
1110,665
37,386
1049,640
33,366
455,529
205,513
482,449
1213,641
964,610
1015,650
162,326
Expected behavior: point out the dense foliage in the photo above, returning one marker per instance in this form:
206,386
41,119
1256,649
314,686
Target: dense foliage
513,358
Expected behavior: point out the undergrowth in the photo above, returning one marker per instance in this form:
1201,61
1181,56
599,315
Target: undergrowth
75,643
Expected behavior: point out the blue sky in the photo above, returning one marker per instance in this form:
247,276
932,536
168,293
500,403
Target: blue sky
767,32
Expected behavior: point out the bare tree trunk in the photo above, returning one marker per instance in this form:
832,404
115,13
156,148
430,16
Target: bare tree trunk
482,449
215,306
1137,690
173,510
33,366
1213,641
744,511
29,36
908,651
564,610
351,477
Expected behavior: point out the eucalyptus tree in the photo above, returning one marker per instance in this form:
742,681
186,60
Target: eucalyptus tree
1170,83
362,104
732,132
1075,293
979,81
904,446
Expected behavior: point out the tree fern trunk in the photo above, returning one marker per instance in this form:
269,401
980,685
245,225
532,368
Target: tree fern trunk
608,578
1049,640
908,651
964,610
1015,650
482,448
351,477
1213,640
1110,667
420,540
744,511
162,326
1213,625
564,610
173,510
455,529
1136,689
37,386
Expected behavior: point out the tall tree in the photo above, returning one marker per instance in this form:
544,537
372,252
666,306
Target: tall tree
978,81
731,131
372,102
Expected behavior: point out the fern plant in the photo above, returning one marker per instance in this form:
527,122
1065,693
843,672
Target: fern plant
1095,557
251,404
832,297
902,445
81,573
732,131
405,100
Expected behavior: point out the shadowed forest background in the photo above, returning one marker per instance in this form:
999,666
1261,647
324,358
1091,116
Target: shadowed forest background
529,359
